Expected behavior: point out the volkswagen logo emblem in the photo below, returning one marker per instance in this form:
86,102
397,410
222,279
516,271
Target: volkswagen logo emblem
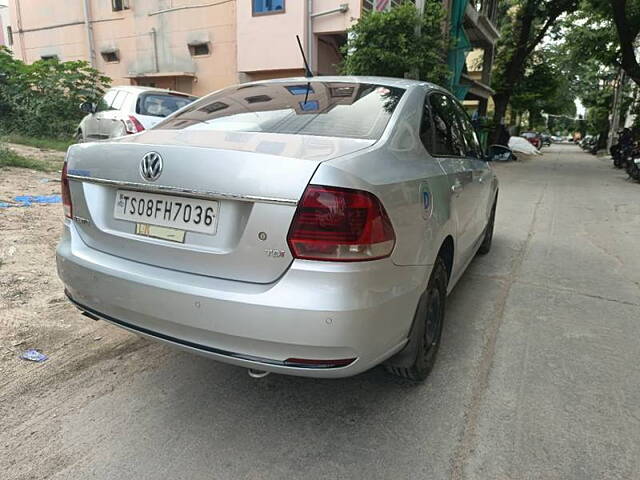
151,166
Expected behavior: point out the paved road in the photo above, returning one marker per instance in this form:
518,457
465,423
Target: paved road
538,376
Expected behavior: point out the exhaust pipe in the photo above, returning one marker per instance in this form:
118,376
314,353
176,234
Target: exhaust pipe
253,373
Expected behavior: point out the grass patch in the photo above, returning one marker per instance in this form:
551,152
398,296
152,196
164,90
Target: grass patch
48,143
12,159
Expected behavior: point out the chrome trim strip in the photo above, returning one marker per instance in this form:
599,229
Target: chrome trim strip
185,192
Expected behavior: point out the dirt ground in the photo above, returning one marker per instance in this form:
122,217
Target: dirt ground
34,313
30,293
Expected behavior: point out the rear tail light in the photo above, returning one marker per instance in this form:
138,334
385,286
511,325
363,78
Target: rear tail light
66,193
133,125
340,224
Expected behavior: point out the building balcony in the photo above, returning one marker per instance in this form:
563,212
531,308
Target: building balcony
477,89
479,22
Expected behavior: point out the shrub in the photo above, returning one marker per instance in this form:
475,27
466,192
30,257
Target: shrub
388,44
42,99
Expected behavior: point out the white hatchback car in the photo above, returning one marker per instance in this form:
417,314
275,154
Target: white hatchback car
309,227
128,109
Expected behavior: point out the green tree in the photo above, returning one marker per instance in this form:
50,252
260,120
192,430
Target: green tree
398,42
42,99
624,19
544,88
528,22
590,51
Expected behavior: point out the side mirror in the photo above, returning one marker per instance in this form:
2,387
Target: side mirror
88,107
499,153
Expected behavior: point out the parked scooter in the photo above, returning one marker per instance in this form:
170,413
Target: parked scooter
622,151
633,165
590,143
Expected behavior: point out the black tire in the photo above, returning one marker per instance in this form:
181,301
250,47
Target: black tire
485,247
430,313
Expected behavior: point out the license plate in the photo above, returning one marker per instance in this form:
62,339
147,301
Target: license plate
191,214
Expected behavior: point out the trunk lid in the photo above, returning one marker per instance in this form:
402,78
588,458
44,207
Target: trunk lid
255,178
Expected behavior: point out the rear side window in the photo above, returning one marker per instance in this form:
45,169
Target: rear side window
332,109
161,104
107,100
472,144
448,138
119,100
426,127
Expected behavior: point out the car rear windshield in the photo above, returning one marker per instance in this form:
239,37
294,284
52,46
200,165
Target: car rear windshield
332,109
161,104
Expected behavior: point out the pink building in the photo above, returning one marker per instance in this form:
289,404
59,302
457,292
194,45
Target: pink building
4,23
195,46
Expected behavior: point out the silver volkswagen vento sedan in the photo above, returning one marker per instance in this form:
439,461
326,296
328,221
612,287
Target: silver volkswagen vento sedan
309,227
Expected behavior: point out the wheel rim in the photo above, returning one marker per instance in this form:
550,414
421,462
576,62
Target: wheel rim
434,320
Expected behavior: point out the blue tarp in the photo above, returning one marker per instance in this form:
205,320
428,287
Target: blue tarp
28,200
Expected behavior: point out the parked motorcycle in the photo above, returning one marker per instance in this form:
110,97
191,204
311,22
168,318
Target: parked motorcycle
633,165
590,143
622,151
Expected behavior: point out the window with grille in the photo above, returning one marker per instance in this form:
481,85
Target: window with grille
9,36
199,49
112,56
118,5
49,57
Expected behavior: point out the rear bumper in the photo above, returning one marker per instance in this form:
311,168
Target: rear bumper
316,310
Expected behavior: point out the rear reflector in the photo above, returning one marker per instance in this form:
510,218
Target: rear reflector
66,193
340,224
133,125
309,363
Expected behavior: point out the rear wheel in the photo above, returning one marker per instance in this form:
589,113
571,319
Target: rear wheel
430,314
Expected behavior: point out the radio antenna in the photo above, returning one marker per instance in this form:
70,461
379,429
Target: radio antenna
308,72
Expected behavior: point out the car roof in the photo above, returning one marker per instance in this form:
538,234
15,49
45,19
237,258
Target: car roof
139,89
384,81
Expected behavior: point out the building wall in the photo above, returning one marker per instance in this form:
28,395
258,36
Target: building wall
335,22
130,32
243,46
267,43
4,22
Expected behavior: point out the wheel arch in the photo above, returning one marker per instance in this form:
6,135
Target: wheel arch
447,253
405,357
